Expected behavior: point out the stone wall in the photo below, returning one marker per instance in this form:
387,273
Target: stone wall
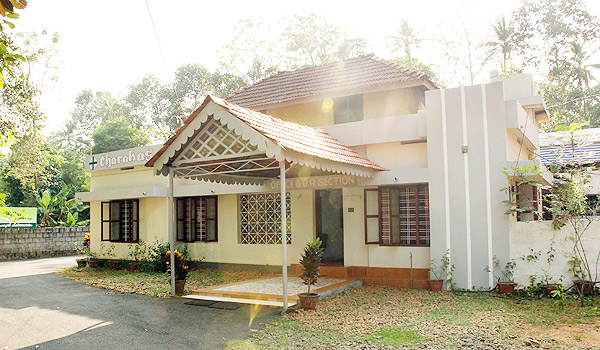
540,237
22,243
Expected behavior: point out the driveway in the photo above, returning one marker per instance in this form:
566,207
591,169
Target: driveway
39,309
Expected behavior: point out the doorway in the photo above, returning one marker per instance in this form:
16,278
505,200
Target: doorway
330,224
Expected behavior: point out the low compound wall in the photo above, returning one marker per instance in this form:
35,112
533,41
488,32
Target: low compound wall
540,237
22,243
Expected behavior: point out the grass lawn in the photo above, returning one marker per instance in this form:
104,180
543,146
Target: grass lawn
386,318
151,283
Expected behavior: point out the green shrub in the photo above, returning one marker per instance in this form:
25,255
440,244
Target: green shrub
157,260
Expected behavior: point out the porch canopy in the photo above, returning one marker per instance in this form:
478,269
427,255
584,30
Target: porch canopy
225,143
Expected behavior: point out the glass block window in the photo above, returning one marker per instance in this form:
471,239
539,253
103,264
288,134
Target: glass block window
404,215
260,218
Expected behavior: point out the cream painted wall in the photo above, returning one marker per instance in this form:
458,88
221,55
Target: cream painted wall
539,236
139,176
378,104
394,155
309,114
393,102
512,149
357,253
153,226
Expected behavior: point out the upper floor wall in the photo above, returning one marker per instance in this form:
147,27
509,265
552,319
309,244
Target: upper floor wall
350,106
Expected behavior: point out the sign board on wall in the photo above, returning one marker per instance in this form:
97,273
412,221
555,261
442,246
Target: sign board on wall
120,159
332,181
26,217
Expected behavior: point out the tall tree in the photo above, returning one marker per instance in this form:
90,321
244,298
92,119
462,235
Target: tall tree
405,39
310,40
503,42
557,37
253,54
117,134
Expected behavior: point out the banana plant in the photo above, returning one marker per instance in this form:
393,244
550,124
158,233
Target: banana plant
60,211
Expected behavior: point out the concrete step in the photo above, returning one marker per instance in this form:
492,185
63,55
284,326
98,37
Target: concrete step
243,294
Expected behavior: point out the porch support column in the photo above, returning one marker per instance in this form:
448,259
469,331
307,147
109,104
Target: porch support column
170,208
283,234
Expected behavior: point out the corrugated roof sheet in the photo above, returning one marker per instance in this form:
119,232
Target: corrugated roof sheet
570,155
288,135
359,72
558,147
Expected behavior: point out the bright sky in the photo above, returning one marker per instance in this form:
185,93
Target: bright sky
107,45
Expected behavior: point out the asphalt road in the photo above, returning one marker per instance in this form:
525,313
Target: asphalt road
41,310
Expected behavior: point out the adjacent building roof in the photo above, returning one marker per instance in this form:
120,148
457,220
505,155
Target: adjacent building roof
359,72
288,136
583,146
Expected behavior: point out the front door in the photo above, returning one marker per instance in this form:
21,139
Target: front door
330,224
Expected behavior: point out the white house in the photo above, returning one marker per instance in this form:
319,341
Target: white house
387,169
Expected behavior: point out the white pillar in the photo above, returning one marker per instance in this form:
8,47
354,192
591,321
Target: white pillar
170,208
283,235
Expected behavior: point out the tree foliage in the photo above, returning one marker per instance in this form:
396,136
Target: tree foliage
558,37
405,39
117,134
502,44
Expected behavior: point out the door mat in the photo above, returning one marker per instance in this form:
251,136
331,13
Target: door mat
214,304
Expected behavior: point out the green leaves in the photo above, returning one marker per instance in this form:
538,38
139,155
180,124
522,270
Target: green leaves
46,199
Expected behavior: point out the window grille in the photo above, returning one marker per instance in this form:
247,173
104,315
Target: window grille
260,218
120,221
403,216
197,219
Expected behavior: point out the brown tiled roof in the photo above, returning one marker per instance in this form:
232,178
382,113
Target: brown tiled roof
288,135
359,72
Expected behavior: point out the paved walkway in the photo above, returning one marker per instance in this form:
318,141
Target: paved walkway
37,307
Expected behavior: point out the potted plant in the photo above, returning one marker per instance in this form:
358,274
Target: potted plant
310,261
110,254
93,259
439,272
137,253
82,262
582,285
181,271
505,283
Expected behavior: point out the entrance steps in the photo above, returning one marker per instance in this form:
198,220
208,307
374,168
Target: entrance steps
268,291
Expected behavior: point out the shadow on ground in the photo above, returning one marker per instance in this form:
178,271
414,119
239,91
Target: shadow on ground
57,313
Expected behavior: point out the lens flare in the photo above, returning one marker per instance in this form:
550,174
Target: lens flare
327,105
254,310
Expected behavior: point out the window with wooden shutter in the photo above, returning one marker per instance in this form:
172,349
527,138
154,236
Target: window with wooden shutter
197,219
120,221
404,215
371,216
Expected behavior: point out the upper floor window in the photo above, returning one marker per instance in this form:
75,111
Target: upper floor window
120,221
197,219
348,109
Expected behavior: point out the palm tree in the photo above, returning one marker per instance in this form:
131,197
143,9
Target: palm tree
405,39
504,41
582,72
